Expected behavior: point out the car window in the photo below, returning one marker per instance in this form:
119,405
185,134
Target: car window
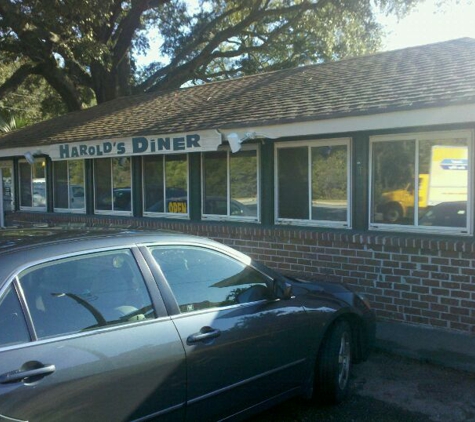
13,329
85,292
201,278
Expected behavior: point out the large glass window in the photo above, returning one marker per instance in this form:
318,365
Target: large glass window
165,184
202,278
230,184
69,192
86,292
313,183
33,184
421,181
112,184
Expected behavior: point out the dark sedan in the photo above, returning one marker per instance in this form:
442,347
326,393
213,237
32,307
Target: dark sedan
135,326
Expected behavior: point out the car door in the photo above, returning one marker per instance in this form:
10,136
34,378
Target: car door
243,346
96,348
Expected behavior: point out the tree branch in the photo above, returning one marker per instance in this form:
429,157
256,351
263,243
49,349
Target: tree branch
174,74
14,81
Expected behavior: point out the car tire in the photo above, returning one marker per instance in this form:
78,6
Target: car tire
333,366
393,213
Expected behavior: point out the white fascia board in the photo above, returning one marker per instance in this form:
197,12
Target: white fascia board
394,120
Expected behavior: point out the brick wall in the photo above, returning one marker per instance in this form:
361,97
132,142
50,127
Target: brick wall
410,279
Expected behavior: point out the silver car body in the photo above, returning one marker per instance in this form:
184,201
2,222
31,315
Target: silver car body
203,364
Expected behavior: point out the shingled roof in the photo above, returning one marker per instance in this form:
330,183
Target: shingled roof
433,75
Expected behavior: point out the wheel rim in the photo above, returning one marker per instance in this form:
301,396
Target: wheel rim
344,360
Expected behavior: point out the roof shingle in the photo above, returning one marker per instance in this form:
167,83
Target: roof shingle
433,75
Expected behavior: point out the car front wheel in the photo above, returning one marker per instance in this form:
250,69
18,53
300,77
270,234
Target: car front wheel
332,371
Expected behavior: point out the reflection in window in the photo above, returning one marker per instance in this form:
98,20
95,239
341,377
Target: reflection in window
393,181
313,183
230,184
420,181
202,278
165,184
86,292
68,179
33,184
112,184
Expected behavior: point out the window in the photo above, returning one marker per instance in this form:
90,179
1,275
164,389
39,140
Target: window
12,322
68,179
421,182
231,184
202,278
6,168
165,184
33,184
85,292
313,183
112,184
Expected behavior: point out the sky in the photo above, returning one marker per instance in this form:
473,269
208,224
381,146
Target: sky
429,23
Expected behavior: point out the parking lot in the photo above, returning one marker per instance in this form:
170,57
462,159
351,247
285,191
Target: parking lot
388,388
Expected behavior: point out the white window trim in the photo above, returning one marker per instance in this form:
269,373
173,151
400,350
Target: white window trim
72,210
112,211
166,214
32,208
309,222
417,137
228,216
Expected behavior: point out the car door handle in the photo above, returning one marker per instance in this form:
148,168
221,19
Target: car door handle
206,333
20,374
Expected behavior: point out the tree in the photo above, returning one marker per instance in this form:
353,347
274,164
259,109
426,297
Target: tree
84,49
31,102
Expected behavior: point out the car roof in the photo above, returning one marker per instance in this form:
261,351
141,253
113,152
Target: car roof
21,246
14,239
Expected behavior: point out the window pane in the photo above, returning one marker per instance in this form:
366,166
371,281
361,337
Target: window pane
443,183
25,185
38,170
330,183
13,326
60,174
176,176
215,183
201,278
103,184
393,182
76,184
7,182
153,183
82,293
122,176
293,179
243,175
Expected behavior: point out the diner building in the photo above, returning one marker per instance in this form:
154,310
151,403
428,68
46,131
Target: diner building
358,171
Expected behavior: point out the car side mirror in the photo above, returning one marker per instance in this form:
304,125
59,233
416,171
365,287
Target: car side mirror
282,289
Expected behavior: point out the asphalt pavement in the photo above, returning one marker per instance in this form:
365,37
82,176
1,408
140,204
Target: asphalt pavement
390,388
416,374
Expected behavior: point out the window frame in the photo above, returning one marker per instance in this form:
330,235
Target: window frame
112,211
166,213
345,141
229,216
417,137
32,207
69,209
